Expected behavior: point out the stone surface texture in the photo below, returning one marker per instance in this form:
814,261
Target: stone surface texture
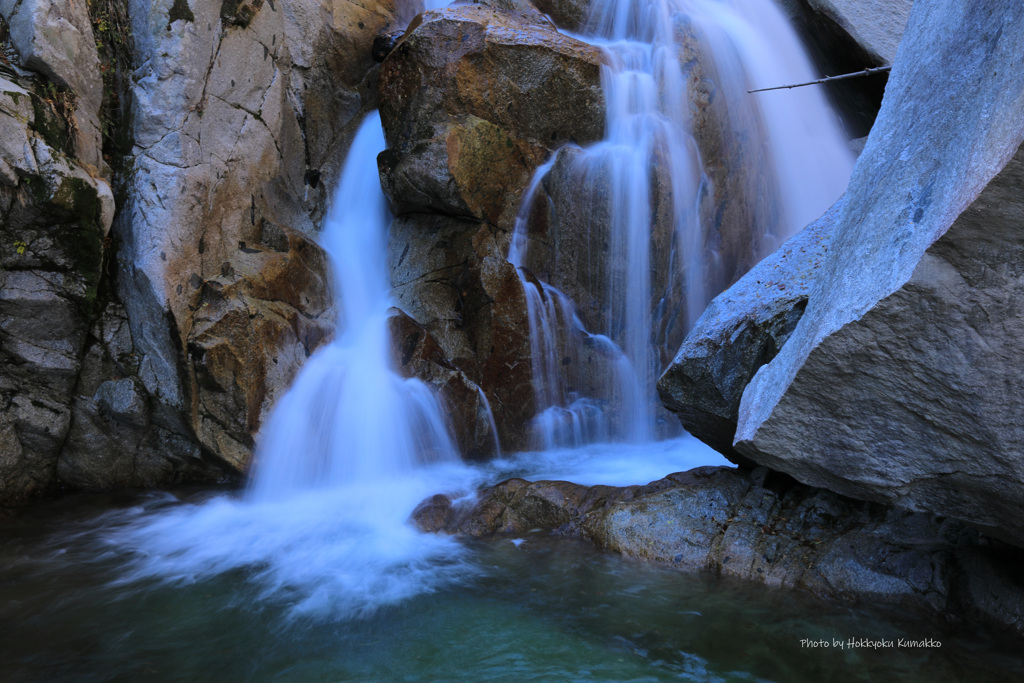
473,99
55,39
147,347
240,127
761,526
56,212
741,330
451,277
900,382
876,25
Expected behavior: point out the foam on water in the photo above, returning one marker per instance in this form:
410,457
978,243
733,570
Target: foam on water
346,455
610,464
332,553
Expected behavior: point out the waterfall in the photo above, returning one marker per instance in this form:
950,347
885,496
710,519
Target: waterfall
798,164
348,418
346,455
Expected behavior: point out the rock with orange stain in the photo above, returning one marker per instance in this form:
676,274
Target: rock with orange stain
473,100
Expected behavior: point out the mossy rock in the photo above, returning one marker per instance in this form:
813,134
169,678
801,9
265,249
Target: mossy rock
83,236
50,125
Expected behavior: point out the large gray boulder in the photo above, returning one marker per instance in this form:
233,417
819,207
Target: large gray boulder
901,381
875,25
741,330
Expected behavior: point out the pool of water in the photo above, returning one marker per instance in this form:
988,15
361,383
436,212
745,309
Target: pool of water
120,588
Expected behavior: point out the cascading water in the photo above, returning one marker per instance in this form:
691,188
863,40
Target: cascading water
348,452
352,447
348,418
658,52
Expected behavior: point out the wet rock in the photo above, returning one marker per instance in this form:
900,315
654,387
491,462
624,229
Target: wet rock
473,99
256,323
415,354
450,276
433,514
897,382
764,527
741,330
567,14
572,246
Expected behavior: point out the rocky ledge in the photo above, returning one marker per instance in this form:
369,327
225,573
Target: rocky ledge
763,526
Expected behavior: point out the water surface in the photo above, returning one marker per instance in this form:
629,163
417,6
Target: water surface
81,601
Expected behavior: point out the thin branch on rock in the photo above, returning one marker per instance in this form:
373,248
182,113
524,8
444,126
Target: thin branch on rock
826,79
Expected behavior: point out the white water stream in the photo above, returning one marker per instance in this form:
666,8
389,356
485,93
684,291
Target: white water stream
746,44
349,419
346,455
352,447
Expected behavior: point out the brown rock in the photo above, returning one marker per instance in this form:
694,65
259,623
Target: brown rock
567,14
416,354
472,100
241,120
451,277
255,325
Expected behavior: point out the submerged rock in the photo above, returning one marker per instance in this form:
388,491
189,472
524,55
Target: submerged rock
764,527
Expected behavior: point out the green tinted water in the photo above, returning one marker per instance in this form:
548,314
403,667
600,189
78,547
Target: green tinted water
541,610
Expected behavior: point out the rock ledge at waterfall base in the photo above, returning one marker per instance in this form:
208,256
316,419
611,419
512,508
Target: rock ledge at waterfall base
765,527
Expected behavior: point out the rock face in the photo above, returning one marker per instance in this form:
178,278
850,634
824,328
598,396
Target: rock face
415,354
876,25
897,383
55,218
451,277
55,38
741,330
845,36
763,527
473,99
150,352
567,14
